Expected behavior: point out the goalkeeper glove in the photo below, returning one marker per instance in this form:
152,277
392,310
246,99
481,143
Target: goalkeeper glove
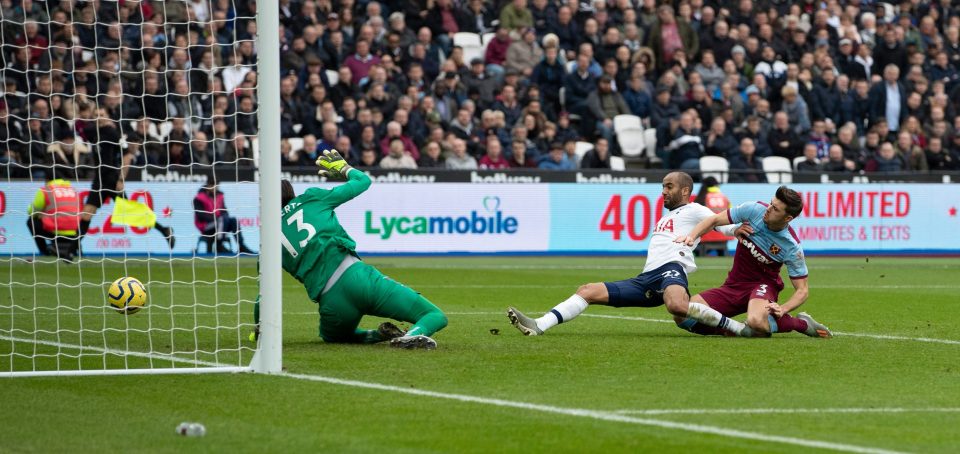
333,165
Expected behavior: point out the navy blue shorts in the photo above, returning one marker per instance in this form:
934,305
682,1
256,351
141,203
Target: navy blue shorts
646,290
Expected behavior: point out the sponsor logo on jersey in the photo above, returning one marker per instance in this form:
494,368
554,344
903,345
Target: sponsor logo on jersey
754,252
774,249
488,219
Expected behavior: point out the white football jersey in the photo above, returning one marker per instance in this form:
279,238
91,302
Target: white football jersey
677,222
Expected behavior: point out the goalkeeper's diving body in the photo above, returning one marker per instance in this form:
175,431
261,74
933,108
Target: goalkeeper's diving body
320,254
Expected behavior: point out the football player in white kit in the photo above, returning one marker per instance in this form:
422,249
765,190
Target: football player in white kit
664,277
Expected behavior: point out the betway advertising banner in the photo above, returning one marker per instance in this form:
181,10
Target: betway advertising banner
524,218
172,202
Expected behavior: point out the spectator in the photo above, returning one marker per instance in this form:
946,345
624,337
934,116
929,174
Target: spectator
548,75
430,158
637,98
668,35
477,17
885,160
819,138
888,99
520,156
368,158
939,159
911,154
493,159
810,163
686,146
747,168
604,104
711,74
836,162
598,157
719,141
556,159
663,109
478,82
524,54
783,140
496,53
397,158
460,160
578,85
796,109
516,16
361,61
395,131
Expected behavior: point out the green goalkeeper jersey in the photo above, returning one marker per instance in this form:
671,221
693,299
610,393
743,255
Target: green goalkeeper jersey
314,242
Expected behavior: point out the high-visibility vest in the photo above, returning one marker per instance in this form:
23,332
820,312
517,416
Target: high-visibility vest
61,212
716,202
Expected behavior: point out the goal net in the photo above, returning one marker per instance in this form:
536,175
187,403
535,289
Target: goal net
146,116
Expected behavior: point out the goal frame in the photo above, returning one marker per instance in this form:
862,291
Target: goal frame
268,356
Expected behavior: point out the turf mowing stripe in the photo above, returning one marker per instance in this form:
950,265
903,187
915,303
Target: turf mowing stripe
599,415
766,411
658,320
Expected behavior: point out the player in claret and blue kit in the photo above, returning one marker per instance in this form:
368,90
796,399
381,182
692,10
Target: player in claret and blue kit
664,277
754,282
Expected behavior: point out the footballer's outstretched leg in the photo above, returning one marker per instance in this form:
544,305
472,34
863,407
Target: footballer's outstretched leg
814,328
526,325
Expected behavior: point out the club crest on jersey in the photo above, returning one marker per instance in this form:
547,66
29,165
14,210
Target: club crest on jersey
774,249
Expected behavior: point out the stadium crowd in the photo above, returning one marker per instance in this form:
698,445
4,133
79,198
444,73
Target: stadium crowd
840,86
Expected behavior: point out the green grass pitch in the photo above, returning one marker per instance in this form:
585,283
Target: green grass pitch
614,380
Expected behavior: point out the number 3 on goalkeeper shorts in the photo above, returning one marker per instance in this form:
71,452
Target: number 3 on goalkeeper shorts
297,218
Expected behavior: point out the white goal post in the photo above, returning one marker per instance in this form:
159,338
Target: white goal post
69,73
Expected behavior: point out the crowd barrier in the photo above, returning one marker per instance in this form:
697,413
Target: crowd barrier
466,218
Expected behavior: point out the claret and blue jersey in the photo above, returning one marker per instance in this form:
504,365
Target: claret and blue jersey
760,255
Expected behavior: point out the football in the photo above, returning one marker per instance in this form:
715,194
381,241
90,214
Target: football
127,295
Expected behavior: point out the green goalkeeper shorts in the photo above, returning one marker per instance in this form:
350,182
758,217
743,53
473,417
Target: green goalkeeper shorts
363,290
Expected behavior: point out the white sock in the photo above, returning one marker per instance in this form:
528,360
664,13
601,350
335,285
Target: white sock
710,317
563,312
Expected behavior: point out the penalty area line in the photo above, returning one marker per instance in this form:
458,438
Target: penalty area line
598,415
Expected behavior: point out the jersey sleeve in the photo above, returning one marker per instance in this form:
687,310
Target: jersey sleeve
746,212
796,263
357,183
727,230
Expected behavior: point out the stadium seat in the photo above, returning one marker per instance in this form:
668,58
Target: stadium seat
162,130
632,142
621,122
798,160
715,166
486,38
581,149
617,163
778,169
650,141
333,77
889,13
296,143
471,44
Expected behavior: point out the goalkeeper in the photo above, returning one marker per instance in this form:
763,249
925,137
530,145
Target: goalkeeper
321,255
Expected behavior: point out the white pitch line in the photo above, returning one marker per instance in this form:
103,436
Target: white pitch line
770,411
157,356
600,415
546,286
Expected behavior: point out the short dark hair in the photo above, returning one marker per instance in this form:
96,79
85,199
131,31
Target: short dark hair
685,181
286,192
792,200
